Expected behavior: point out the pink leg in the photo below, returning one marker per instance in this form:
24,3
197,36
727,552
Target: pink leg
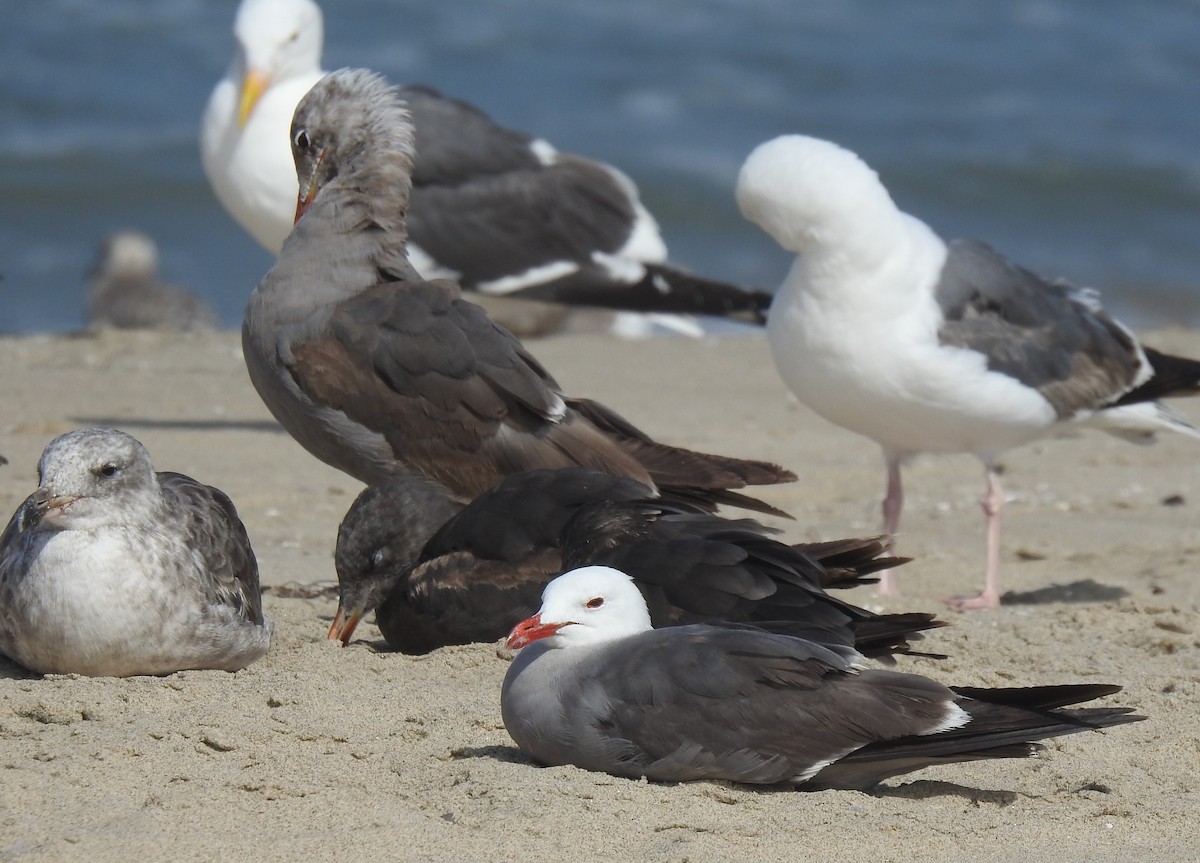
992,502
893,503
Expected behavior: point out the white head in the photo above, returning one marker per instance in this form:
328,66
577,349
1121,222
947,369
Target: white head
589,605
89,477
126,254
276,40
808,193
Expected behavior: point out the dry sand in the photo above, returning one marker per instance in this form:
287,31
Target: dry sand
318,752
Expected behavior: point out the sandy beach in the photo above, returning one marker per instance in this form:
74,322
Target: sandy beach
321,752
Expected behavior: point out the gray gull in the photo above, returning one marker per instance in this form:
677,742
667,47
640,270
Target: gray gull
933,347
125,291
111,569
596,687
380,373
438,573
499,211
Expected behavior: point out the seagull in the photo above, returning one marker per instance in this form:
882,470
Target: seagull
499,211
438,573
380,373
598,688
932,347
110,569
125,291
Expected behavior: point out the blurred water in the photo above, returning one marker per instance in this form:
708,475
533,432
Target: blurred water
1065,132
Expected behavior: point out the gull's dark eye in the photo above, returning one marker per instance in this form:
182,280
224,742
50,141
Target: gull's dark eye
595,602
294,36
301,140
107,470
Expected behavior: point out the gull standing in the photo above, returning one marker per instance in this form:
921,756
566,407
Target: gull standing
111,569
499,211
928,346
380,373
600,689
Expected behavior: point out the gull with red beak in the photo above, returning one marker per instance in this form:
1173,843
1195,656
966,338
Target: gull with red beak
596,687
110,569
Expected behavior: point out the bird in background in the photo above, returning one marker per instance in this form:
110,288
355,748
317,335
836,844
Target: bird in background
380,373
125,291
595,686
499,211
926,346
111,569
439,573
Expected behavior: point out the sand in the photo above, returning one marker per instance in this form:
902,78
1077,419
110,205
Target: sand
322,752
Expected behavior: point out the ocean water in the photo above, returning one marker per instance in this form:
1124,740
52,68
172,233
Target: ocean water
1064,132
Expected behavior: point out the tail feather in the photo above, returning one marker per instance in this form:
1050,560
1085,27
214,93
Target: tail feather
1004,723
662,288
1173,376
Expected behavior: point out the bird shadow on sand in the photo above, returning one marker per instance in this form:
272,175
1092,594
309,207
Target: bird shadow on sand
181,425
9,670
923,789
1084,590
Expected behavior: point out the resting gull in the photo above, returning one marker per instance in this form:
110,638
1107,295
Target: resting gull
926,346
380,373
437,573
498,210
111,569
599,689
125,291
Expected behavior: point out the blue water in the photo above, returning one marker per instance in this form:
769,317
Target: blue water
1065,132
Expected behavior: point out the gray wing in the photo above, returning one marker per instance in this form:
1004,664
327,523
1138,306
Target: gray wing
214,531
721,702
1048,335
484,205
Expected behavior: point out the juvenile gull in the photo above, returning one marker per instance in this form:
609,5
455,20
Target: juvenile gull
381,373
924,346
111,569
496,209
600,689
437,573
126,292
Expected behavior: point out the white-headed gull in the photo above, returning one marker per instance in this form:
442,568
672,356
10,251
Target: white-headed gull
125,291
438,573
598,688
499,211
927,346
381,373
111,569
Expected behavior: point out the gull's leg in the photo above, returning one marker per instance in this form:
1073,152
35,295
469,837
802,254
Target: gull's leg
893,504
992,502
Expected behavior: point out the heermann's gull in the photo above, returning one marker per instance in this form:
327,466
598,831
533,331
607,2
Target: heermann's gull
500,211
600,689
884,329
125,291
112,569
380,373
439,574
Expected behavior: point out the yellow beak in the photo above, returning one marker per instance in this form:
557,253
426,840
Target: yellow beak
253,86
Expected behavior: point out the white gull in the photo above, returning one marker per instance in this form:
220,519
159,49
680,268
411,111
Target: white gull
929,347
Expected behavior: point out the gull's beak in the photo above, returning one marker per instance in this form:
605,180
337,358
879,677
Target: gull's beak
43,506
308,192
253,86
343,625
529,630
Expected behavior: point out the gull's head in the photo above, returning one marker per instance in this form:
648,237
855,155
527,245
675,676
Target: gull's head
126,254
589,605
276,40
805,192
349,123
90,477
